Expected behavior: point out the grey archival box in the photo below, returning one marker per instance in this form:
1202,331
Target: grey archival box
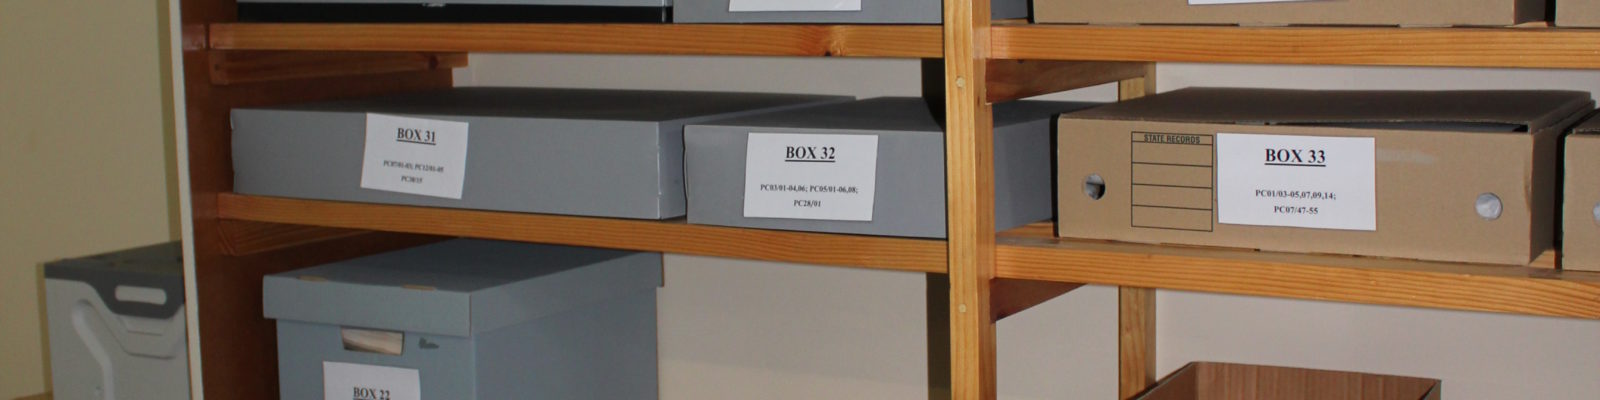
476,319
910,172
117,327
608,153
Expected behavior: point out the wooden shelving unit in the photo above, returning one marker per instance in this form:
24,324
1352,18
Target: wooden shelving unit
967,62
1443,47
671,236
1033,253
905,41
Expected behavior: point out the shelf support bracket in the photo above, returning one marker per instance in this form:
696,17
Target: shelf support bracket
239,67
241,238
1017,79
1012,296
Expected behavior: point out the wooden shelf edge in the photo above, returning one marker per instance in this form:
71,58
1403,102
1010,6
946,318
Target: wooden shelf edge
1025,254
901,41
1450,47
918,255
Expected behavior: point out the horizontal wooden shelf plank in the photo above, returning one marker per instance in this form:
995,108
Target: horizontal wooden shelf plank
672,236
1033,253
907,41
1460,47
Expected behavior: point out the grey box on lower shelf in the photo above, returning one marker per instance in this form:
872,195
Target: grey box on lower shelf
910,179
117,326
870,12
471,319
606,153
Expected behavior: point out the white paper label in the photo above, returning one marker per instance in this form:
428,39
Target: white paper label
800,176
794,5
415,155
343,381
1206,2
1297,181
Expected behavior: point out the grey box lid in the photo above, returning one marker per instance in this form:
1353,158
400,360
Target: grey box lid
909,114
157,266
459,287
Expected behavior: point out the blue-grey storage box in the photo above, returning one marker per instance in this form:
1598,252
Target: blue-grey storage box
910,188
590,152
476,319
117,325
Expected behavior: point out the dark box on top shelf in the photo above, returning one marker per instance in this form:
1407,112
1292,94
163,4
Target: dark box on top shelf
1223,381
608,153
873,167
1580,205
454,10
1453,176
1292,12
1578,13
828,11
469,319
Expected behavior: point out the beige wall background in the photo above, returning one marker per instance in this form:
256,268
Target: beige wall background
755,330
84,154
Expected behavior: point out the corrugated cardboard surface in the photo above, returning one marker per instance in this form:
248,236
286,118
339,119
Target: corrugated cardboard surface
1580,231
1218,381
1578,13
1344,12
1426,180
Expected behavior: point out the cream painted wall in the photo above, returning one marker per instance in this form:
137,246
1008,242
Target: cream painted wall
86,160
738,330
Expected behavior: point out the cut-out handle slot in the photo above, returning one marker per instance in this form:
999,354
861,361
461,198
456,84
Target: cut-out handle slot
372,341
140,294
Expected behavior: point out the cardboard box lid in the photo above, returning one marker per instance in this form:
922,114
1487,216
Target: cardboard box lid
908,114
1526,110
459,287
158,267
1588,127
582,104
1218,381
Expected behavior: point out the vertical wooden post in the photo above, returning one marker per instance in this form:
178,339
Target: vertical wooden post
969,180
1136,323
1136,307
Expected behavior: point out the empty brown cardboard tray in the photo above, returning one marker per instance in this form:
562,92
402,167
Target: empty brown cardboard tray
1219,381
1433,156
1578,13
1346,12
1580,205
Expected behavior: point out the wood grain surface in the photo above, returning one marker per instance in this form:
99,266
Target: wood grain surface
1465,47
671,236
911,41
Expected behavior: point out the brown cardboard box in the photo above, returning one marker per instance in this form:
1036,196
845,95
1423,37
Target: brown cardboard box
1580,205
1379,173
1578,13
1344,12
1219,381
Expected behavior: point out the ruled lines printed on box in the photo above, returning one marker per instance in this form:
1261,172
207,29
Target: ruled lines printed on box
1172,185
